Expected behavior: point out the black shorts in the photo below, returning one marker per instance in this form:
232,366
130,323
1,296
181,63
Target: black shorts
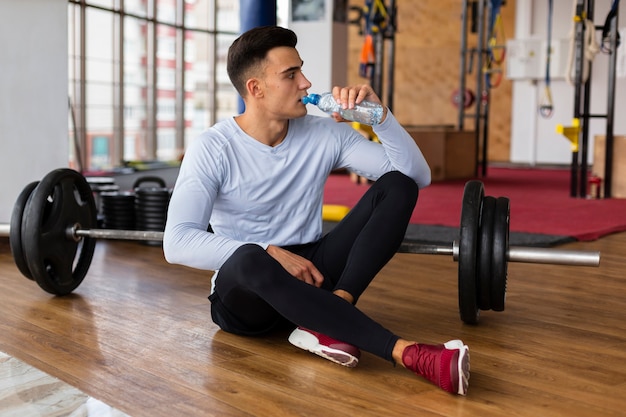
231,324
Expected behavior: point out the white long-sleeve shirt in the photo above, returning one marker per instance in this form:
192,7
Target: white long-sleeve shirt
253,193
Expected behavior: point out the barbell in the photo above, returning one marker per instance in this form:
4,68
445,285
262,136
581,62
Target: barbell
52,235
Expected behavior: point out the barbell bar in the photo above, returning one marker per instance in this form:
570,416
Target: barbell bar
75,232
52,237
520,254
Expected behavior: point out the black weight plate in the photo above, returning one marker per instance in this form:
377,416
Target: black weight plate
499,260
107,208
121,208
120,219
151,211
158,214
117,204
470,217
57,262
125,215
483,257
159,218
158,226
152,192
15,232
153,200
113,204
157,180
119,212
141,204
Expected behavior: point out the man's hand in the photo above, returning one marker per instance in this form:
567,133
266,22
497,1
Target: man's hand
296,265
348,97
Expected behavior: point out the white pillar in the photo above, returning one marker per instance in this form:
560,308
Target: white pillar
33,99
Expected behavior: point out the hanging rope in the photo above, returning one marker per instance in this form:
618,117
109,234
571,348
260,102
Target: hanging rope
590,47
546,106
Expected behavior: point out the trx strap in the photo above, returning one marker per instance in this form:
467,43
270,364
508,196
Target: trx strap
606,29
368,58
376,20
496,46
546,106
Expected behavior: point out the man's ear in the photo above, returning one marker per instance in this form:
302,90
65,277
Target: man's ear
254,88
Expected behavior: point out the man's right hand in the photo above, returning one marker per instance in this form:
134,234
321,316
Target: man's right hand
296,265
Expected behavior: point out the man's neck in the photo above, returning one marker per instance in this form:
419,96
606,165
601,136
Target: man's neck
268,132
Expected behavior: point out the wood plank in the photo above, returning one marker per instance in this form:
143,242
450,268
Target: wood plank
137,335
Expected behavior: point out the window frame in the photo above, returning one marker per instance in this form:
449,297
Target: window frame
79,129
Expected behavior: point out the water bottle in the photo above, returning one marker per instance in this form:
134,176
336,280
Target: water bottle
365,112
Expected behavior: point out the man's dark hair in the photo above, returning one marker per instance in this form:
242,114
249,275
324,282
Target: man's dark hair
250,50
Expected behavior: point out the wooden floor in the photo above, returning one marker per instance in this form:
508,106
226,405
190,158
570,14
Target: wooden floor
137,335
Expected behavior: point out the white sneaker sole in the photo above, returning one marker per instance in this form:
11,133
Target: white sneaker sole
307,341
463,364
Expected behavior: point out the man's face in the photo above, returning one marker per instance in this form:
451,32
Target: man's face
284,83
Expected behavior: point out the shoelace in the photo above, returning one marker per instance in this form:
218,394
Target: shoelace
426,362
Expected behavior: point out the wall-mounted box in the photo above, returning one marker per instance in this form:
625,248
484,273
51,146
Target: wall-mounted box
451,153
526,59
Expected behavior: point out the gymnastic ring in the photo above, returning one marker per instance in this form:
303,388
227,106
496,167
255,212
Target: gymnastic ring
468,98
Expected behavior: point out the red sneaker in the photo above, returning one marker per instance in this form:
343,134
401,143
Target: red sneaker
326,347
447,365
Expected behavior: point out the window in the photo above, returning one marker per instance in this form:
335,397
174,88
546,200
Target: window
146,77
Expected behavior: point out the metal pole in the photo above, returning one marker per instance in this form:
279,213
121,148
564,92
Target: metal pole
117,234
514,253
584,141
553,256
610,112
479,118
461,119
391,59
579,61
377,76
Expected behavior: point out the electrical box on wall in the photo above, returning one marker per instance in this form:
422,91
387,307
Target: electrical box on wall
526,59
523,59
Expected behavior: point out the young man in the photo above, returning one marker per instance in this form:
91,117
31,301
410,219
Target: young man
258,180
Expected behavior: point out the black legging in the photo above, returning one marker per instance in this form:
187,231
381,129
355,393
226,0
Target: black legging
254,294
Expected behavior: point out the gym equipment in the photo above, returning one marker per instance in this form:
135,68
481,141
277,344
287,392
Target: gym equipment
583,48
52,237
467,99
334,212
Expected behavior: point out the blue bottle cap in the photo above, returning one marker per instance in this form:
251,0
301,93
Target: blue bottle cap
311,98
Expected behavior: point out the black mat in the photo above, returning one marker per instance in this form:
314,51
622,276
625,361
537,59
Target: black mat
444,235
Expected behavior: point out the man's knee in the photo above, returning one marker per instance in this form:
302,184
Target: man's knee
245,260
401,186
252,267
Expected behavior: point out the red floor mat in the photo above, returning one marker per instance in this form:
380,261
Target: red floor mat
540,203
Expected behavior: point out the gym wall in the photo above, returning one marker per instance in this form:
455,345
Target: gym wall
428,53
